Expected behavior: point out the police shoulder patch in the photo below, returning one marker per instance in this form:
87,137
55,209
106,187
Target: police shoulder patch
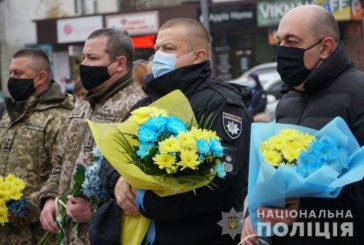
232,125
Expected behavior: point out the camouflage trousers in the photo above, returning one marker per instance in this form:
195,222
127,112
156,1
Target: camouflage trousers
20,233
76,235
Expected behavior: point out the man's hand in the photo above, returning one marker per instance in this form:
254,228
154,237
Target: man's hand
47,216
79,209
248,236
125,197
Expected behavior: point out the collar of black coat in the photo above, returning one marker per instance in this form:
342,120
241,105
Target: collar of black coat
326,73
53,96
110,91
187,79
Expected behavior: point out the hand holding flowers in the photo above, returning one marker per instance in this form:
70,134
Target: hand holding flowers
73,207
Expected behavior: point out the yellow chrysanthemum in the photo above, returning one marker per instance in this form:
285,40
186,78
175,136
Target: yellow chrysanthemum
169,145
189,159
15,183
187,141
195,133
285,146
142,114
2,198
273,157
14,193
206,134
165,161
155,111
3,214
4,190
212,135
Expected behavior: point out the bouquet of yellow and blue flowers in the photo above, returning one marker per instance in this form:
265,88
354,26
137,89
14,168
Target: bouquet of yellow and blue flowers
12,199
289,161
160,148
166,148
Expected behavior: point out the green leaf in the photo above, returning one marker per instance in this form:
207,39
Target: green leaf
78,179
206,123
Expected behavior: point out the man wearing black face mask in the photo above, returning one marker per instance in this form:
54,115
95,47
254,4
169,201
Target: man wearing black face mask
323,84
28,131
106,72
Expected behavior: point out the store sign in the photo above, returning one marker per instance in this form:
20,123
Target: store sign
269,13
237,15
77,29
136,23
146,41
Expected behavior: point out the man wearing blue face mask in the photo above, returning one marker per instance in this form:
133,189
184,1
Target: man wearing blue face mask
259,99
28,137
322,84
182,62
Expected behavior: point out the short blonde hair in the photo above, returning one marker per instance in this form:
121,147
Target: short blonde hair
201,36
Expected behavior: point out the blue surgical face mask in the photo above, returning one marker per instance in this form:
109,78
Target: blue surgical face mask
163,63
69,87
250,83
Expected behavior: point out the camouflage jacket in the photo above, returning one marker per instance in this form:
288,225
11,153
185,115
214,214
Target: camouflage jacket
28,133
76,141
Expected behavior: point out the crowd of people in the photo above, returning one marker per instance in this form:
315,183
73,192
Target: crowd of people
45,136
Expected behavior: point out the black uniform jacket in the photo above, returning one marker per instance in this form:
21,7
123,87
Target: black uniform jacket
192,218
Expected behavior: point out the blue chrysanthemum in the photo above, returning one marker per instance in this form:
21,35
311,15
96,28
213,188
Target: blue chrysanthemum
92,187
323,151
144,149
147,135
216,148
18,207
220,170
201,158
203,147
157,123
96,153
175,125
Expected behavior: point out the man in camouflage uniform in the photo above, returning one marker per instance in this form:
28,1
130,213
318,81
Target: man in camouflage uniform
106,72
28,133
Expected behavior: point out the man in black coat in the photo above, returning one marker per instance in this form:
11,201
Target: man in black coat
182,62
322,84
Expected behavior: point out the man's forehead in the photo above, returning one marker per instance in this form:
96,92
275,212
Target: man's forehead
96,45
288,29
170,37
20,61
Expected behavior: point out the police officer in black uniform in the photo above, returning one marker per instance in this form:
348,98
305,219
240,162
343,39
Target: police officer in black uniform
182,62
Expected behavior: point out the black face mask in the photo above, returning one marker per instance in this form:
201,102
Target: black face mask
93,76
290,64
20,89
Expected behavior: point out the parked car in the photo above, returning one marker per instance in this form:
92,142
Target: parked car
273,88
264,71
271,83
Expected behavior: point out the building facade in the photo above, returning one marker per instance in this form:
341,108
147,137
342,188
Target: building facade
243,32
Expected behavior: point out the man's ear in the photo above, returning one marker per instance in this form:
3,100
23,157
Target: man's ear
201,56
122,64
328,47
41,78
